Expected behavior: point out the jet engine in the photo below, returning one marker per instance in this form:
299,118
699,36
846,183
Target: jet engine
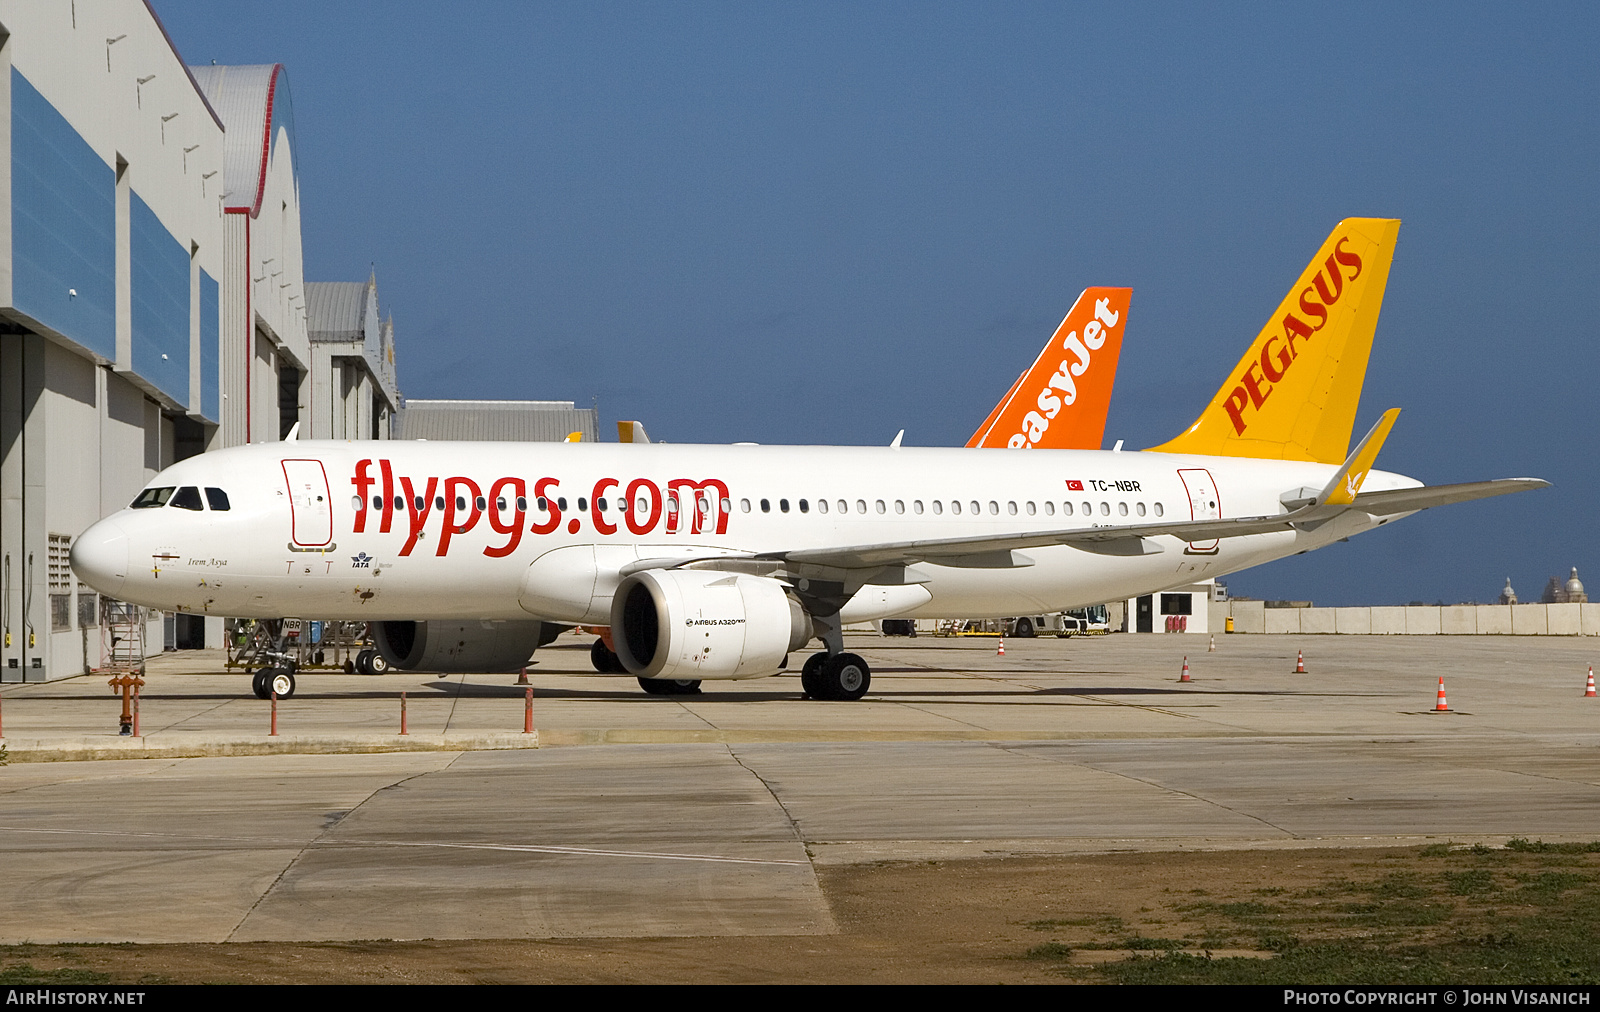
452,646
687,623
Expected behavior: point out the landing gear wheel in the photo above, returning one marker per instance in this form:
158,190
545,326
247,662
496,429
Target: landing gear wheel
377,664
364,662
258,684
1024,629
281,681
604,661
844,677
811,675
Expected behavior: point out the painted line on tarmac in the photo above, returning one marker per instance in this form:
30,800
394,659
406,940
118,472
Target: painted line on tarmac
644,855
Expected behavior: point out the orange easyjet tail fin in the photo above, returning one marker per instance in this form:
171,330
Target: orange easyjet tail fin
1060,402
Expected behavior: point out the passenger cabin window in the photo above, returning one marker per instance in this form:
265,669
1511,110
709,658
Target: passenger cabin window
438,503
916,506
152,498
783,504
1066,509
217,499
822,505
1049,509
766,506
805,507
844,507
938,507
187,498
1159,510
878,505
744,505
955,506
522,504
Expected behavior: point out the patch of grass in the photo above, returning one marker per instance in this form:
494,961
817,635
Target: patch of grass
1398,885
27,973
1247,911
1528,913
1049,951
1468,882
1547,886
1400,914
1524,846
1052,924
1271,891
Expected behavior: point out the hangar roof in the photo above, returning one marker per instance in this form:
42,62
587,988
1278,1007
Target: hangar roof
254,104
336,310
512,421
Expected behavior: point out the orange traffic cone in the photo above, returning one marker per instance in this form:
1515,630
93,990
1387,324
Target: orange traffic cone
1185,677
1299,662
1002,651
1441,706
1590,690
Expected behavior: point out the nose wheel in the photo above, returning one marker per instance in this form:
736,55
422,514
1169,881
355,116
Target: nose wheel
269,680
842,677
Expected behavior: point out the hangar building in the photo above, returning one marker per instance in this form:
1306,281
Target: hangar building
152,303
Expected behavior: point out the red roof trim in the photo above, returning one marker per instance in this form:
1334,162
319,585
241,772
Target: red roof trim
266,140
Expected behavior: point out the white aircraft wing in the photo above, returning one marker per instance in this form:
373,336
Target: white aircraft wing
994,549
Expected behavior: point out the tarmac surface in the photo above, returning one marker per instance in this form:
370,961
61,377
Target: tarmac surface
645,815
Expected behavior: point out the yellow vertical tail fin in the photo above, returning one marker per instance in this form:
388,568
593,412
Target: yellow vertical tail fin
1293,395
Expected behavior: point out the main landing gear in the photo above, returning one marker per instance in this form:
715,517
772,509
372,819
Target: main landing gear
371,662
605,660
670,686
840,677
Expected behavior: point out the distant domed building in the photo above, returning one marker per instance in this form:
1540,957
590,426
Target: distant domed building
1571,592
1508,596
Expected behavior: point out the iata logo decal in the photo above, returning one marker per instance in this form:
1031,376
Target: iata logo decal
362,561
1278,353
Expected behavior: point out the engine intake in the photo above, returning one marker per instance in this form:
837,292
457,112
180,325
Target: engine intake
687,623
455,646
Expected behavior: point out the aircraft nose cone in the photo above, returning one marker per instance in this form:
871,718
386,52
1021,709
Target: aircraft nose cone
100,557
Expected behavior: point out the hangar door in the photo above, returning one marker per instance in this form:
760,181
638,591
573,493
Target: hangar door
309,505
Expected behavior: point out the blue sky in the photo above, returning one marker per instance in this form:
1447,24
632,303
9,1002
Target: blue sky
822,223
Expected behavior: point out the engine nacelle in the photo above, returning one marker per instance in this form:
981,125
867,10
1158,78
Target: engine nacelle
456,646
688,623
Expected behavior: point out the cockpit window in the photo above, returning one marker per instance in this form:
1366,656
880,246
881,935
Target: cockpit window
187,498
216,499
152,498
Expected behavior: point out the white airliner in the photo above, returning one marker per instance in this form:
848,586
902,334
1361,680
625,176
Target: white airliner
716,562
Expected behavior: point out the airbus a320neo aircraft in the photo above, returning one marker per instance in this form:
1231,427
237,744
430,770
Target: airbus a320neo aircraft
717,562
